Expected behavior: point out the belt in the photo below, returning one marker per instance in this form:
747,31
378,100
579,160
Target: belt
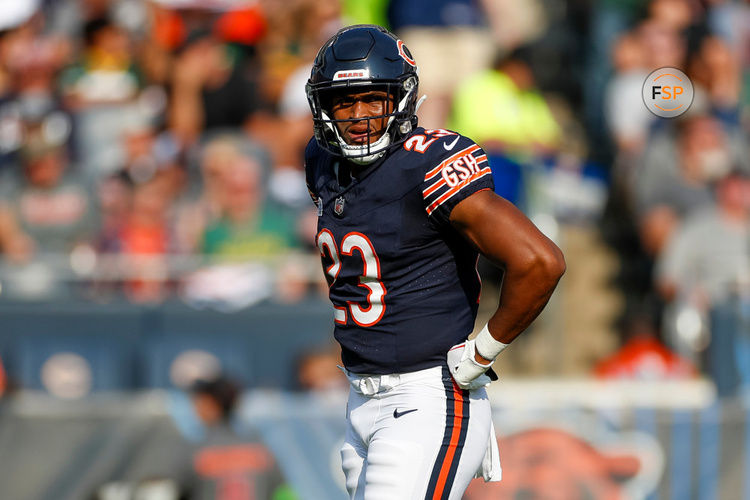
374,384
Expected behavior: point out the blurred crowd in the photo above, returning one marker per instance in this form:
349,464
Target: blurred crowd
679,195
153,148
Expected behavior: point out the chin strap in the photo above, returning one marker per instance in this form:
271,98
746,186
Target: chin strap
419,103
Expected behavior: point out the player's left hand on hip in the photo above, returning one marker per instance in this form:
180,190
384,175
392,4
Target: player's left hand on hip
466,371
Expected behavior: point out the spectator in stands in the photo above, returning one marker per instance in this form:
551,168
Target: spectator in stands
48,209
241,231
46,215
673,178
145,239
246,225
29,63
675,15
232,215
715,71
106,71
228,464
214,402
503,110
212,88
628,118
664,44
101,89
707,265
114,196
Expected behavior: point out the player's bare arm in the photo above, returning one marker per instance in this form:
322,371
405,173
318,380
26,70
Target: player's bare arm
533,264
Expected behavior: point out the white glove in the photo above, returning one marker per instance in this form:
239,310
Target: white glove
466,371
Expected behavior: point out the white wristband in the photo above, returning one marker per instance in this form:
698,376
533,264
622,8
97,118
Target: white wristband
487,346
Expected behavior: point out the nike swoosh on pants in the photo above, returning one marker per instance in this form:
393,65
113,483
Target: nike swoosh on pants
396,413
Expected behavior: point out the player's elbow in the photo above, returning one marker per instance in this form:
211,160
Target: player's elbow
546,264
554,263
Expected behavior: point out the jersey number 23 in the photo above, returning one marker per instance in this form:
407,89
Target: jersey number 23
369,280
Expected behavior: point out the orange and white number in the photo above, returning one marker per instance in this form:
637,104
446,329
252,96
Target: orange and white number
420,143
327,243
370,278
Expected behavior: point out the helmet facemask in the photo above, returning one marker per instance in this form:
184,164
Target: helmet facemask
400,120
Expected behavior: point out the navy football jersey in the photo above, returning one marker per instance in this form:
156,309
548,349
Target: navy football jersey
403,282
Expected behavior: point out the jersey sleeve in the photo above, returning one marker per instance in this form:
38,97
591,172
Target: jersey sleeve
453,175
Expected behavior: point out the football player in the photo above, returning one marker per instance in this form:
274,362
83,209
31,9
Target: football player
403,212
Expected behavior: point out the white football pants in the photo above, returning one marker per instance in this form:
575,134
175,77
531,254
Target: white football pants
414,436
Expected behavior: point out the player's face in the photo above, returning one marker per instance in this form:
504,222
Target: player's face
356,106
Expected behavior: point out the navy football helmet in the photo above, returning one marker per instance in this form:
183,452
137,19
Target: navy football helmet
361,58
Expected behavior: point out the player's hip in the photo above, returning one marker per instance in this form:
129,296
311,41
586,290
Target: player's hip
431,391
384,385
